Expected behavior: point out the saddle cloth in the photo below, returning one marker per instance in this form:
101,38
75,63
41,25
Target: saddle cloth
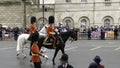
49,41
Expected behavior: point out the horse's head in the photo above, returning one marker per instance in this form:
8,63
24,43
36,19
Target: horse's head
73,34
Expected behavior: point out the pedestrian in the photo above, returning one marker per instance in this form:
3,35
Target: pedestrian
89,34
1,34
36,53
115,33
64,62
96,63
102,37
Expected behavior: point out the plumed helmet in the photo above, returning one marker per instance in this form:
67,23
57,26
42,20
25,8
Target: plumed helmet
51,19
35,36
64,57
33,19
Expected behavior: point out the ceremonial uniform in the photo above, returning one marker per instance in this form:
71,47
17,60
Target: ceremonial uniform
51,30
32,29
35,56
36,53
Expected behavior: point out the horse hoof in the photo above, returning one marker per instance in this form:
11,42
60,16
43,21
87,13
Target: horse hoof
30,60
17,54
25,57
54,63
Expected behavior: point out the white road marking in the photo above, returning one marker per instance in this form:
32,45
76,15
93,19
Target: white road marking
71,48
7,48
117,49
95,48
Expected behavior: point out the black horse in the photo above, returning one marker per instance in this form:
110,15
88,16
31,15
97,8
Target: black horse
59,46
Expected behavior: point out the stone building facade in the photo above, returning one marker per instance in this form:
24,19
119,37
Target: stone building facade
12,12
75,13
87,13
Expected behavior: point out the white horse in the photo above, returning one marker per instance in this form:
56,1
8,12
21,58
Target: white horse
23,39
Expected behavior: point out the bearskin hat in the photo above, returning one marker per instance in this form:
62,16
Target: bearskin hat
51,19
33,19
35,36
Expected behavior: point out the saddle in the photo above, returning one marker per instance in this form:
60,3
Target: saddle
49,41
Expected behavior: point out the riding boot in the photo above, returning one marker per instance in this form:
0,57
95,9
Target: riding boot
54,44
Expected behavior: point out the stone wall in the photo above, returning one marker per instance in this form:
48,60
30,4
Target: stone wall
12,13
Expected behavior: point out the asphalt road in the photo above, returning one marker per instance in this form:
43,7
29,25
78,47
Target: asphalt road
81,54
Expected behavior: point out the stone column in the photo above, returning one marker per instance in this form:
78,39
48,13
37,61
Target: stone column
23,5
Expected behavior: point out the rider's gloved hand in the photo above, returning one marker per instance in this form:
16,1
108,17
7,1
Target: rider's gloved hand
45,56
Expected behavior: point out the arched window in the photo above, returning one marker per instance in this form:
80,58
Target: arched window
83,0
107,2
68,0
68,21
40,23
107,22
83,23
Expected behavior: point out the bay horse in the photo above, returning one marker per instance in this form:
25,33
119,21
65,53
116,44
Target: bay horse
64,36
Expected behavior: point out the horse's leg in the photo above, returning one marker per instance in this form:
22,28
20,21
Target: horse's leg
30,47
19,44
23,51
55,54
62,50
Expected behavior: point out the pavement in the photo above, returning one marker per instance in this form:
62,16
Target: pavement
81,54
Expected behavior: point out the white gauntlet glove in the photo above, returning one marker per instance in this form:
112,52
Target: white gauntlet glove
45,56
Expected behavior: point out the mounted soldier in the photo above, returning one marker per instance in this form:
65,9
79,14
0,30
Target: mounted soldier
32,29
51,30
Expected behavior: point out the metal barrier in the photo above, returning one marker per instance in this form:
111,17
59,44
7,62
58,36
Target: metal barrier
97,35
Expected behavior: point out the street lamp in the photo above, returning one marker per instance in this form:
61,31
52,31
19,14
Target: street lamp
43,7
24,10
93,12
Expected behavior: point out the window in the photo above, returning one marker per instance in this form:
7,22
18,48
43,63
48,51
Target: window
68,0
68,21
107,23
83,23
83,0
107,2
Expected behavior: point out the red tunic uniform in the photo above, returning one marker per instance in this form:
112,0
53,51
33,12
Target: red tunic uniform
35,50
50,29
32,29
50,33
